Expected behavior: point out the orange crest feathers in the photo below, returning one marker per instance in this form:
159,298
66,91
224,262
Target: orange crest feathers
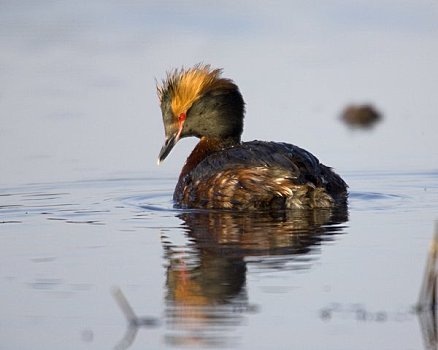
185,86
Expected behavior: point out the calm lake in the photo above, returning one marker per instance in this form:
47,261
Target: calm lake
94,256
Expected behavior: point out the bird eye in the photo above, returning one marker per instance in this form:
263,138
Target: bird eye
181,117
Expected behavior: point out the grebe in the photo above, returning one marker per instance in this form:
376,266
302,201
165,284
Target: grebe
224,173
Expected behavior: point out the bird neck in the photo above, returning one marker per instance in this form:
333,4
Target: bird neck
205,147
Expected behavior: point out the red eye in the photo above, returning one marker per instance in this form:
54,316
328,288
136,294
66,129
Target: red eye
182,117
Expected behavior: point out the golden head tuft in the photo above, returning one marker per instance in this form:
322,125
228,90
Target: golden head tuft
185,86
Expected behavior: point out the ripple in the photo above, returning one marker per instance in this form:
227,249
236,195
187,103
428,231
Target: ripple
152,202
374,196
376,201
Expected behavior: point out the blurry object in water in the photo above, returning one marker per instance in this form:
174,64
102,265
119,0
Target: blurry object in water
361,116
427,299
428,324
426,306
134,322
355,311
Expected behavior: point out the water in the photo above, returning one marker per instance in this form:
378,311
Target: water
210,279
86,218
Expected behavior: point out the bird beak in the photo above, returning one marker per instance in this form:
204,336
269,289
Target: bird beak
167,147
173,135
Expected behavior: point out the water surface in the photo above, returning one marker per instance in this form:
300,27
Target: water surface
206,279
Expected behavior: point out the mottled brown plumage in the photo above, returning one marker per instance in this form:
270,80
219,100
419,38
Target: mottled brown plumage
222,172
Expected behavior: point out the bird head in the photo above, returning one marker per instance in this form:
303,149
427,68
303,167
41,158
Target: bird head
198,102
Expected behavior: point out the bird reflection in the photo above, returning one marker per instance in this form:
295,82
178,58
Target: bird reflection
206,296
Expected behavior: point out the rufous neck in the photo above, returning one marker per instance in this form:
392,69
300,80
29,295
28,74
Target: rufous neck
204,148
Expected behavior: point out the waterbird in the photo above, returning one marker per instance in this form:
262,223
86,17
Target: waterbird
222,172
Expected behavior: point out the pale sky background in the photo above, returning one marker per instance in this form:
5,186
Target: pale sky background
77,81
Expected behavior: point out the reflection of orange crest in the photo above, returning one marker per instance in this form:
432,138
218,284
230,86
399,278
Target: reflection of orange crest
187,291
186,86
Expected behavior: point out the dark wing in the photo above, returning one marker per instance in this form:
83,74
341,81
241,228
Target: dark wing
259,175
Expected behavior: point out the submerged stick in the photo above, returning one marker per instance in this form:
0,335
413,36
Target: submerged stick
428,298
124,305
134,322
427,301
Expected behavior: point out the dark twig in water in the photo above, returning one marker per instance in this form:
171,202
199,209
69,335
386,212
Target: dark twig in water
134,322
124,305
427,300
426,306
428,325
